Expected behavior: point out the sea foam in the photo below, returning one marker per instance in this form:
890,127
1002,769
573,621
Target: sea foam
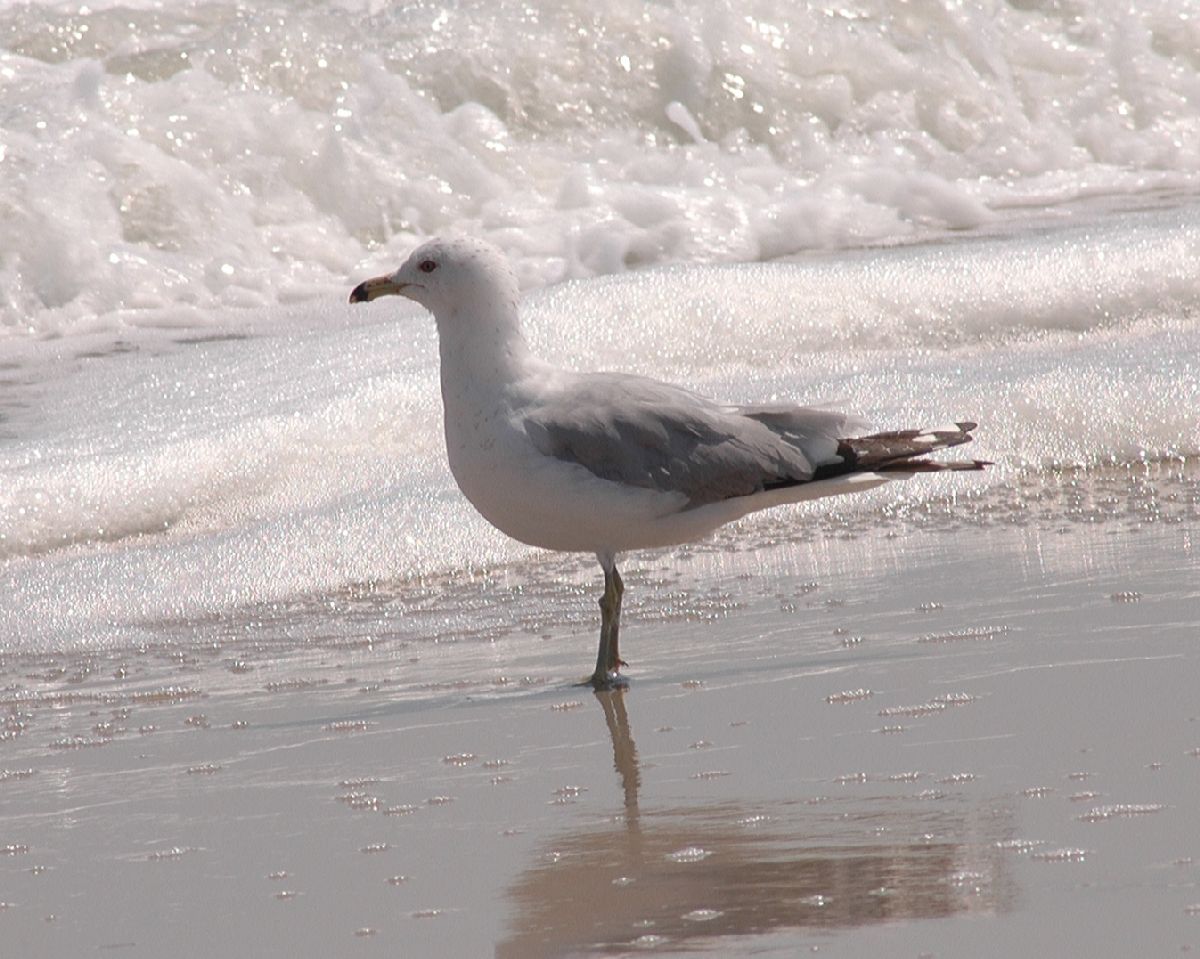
307,459
163,164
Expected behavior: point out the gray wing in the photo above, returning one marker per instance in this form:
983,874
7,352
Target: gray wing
652,435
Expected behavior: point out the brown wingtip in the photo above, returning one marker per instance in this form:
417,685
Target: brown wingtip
901,451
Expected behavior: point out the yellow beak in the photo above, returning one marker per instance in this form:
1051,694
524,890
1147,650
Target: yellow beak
368,290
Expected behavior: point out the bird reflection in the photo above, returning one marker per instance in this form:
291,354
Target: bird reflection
625,758
674,875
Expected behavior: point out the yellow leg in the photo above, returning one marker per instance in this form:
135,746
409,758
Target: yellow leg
615,661
608,659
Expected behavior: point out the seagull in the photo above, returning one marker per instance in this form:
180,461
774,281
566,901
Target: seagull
606,463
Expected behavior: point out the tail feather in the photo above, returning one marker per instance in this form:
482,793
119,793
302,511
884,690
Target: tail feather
900,451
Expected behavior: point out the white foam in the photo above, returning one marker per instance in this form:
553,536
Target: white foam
207,477
165,163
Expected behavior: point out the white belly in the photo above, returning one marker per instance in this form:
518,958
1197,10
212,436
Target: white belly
549,503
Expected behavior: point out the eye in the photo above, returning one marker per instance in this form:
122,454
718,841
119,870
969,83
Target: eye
427,266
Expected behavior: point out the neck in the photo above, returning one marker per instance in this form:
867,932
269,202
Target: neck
481,354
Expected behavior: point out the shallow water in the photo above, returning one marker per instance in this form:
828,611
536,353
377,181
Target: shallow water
910,741
195,426
168,482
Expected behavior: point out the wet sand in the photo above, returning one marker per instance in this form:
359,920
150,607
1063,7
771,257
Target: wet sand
975,731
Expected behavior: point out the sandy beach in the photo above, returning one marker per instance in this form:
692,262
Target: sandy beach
971,730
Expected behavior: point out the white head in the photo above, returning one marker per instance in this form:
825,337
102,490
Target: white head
460,276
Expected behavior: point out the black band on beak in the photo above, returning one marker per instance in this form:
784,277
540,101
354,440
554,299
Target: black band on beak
369,290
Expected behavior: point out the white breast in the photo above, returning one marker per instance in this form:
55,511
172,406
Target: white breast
540,500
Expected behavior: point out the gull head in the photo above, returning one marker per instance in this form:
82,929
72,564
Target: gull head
449,277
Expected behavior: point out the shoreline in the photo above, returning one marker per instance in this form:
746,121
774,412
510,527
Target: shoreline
960,724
